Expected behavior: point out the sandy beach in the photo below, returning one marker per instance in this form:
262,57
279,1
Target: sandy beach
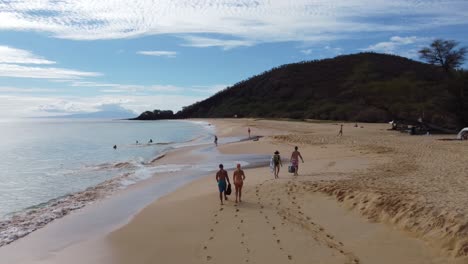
370,196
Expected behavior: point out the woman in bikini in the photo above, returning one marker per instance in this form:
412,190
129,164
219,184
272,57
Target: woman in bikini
238,178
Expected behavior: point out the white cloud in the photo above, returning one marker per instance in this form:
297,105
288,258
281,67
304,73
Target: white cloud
247,21
12,62
226,44
334,50
126,88
212,89
6,89
307,51
395,44
19,71
159,53
19,56
14,106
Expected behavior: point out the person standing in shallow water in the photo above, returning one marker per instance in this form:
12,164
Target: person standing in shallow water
295,160
249,131
276,164
222,177
216,140
238,177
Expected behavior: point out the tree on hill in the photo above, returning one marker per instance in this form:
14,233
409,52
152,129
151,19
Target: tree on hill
444,53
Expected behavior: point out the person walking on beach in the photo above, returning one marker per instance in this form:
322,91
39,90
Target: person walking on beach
238,177
276,164
115,146
295,160
221,178
341,131
249,131
150,141
216,140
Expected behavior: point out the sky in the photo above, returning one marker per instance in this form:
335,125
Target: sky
61,57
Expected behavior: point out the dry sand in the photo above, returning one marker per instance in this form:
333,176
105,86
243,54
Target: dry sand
371,196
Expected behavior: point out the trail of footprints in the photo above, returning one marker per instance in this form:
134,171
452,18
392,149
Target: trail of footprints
269,221
289,210
242,236
294,214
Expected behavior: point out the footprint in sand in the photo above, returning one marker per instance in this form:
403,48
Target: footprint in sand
209,258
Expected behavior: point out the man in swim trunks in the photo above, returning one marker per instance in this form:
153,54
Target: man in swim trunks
295,160
238,177
221,178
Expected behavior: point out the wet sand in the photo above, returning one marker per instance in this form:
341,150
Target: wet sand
371,196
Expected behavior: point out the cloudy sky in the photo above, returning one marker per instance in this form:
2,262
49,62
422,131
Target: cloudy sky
72,56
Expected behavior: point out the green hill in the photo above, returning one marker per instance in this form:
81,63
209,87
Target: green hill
365,87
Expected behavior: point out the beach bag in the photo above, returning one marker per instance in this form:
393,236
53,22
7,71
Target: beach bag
228,190
291,168
272,165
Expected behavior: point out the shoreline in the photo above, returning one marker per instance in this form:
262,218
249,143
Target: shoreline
194,161
322,207
16,225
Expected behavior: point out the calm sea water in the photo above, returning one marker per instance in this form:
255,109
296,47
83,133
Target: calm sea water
44,159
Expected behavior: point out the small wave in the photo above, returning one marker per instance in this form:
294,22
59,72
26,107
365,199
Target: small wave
157,158
20,224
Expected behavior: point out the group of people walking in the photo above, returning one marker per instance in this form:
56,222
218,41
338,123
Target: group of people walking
238,176
276,162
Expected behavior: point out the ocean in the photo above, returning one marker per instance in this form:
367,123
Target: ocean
49,167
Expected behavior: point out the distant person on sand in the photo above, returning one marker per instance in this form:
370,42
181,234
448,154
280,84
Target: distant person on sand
276,164
150,141
249,131
295,160
115,147
221,178
341,131
137,142
216,140
238,177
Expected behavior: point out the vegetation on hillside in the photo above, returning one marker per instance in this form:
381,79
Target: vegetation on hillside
365,87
